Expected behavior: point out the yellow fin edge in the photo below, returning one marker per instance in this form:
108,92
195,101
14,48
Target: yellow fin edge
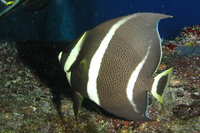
9,3
159,86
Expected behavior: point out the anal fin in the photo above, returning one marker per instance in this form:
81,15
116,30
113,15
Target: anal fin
77,102
160,84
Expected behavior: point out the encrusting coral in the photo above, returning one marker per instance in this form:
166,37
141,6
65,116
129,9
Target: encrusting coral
190,36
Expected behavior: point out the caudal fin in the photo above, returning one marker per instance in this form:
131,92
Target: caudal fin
160,84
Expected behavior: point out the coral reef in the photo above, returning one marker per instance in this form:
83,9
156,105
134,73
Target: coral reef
35,95
190,36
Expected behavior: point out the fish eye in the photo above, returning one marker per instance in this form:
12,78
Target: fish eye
68,50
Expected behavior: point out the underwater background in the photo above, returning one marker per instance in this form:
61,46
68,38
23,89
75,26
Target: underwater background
36,97
66,19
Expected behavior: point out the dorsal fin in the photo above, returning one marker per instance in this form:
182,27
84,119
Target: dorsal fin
141,31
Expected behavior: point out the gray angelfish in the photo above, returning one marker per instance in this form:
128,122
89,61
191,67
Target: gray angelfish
114,63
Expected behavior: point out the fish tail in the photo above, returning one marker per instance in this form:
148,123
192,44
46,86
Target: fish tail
160,84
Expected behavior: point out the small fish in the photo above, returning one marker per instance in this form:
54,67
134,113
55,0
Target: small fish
114,63
8,6
7,3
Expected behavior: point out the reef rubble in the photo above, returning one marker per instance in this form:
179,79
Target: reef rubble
35,95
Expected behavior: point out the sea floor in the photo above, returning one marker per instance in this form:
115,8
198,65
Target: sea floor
35,95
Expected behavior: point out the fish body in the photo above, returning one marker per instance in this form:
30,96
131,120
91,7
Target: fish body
114,63
8,6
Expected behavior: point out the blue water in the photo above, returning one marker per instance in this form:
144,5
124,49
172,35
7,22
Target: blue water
66,19
184,12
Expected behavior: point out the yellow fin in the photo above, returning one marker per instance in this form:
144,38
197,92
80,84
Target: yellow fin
82,68
160,84
9,3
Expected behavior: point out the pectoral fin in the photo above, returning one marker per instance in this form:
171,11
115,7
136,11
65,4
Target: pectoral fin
82,68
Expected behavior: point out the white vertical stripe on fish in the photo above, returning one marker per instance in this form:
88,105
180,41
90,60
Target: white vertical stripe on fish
97,59
133,79
72,57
